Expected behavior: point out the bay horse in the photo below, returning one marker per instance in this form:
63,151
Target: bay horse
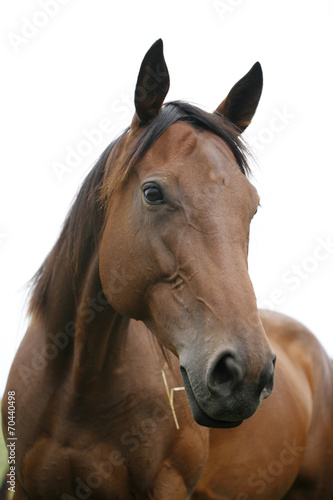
155,247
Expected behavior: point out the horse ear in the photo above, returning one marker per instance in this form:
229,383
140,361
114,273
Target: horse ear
152,85
241,103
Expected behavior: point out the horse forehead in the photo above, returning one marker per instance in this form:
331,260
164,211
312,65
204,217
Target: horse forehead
177,142
205,159
182,143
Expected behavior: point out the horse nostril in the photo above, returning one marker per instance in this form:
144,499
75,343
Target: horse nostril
226,373
267,378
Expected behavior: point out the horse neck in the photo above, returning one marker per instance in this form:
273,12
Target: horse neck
98,329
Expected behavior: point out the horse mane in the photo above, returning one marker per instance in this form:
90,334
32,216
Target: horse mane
85,221
81,228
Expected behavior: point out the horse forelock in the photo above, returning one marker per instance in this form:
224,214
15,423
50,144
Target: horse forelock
84,224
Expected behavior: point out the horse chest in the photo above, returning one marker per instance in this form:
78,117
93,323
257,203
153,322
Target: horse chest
123,445
99,470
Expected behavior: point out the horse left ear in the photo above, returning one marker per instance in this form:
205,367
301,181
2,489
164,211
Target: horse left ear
241,103
152,85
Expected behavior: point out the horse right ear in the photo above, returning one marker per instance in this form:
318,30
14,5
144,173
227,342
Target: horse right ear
152,85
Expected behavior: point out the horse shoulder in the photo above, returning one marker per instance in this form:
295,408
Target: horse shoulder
299,344
307,370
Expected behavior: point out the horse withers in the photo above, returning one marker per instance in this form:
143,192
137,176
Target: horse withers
155,246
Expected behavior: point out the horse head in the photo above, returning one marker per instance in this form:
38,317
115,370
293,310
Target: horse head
178,212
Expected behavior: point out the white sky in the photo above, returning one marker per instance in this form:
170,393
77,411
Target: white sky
78,67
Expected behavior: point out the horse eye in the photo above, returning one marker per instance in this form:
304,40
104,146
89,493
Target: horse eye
153,195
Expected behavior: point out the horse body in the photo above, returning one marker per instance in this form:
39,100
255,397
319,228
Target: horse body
158,238
118,438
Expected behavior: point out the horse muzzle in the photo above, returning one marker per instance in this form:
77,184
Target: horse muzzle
229,394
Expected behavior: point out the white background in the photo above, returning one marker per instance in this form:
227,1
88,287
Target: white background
66,71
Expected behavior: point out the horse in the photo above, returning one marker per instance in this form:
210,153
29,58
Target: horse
147,370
